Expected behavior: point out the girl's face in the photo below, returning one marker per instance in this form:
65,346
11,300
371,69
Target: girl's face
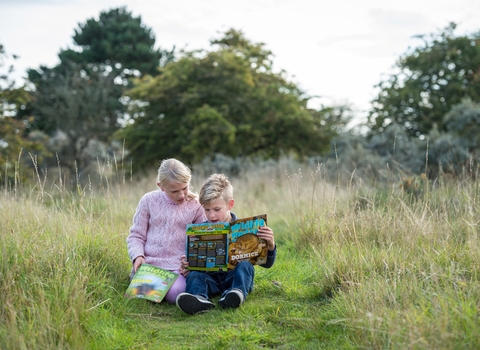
218,210
176,192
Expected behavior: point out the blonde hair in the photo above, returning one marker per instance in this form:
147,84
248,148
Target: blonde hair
216,186
173,170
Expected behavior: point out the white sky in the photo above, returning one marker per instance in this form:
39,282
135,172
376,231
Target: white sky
337,50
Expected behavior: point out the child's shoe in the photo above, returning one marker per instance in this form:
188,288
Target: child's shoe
232,299
193,304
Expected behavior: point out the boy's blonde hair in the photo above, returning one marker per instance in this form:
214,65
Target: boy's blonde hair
216,186
173,170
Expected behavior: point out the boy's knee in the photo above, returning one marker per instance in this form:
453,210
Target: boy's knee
193,275
245,266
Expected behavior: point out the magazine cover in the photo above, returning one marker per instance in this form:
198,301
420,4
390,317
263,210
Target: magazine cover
151,283
207,246
243,242
221,245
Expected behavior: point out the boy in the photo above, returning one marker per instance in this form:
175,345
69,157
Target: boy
216,197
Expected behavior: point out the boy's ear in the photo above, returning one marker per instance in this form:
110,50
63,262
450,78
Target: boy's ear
231,202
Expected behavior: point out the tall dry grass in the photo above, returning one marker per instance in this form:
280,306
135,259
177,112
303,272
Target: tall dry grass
358,266
400,269
58,242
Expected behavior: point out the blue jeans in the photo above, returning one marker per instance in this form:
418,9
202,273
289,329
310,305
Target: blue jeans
209,284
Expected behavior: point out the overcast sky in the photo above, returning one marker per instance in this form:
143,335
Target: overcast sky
337,50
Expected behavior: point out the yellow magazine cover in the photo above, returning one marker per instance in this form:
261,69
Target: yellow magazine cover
243,242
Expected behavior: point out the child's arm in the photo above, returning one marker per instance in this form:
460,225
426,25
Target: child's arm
266,233
139,260
184,268
137,236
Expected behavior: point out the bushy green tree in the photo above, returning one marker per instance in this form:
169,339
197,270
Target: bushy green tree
80,110
394,155
432,78
447,153
385,157
14,145
400,152
117,39
11,96
463,121
78,103
226,101
117,44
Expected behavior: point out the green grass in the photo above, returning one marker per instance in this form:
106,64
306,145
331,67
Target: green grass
357,268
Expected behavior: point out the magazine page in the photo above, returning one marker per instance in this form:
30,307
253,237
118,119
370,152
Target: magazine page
207,246
151,283
243,242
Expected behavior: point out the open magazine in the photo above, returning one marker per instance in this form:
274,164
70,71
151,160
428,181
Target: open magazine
221,245
151,283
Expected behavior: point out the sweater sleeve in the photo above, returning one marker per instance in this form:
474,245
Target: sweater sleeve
138,231
272,255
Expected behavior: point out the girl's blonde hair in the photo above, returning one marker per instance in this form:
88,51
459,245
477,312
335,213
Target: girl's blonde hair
216,186
173,170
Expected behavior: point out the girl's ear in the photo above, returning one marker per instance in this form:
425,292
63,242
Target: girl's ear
160,186
231,202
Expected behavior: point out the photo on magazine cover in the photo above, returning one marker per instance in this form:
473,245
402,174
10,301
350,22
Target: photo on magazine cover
151,283
221,245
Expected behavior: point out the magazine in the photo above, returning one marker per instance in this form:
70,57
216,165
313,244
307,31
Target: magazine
151,283
221,245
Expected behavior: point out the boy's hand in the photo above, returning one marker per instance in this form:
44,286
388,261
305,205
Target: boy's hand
266,233
184,265
139,260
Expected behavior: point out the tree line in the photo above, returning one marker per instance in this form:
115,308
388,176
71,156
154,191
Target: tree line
115,91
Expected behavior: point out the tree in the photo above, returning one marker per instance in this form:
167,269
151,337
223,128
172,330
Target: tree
463,121
12,132
224,101
79,110
116,42
432,78
447,153
78,103
117,39
10,95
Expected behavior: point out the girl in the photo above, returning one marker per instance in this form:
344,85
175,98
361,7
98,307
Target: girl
157,235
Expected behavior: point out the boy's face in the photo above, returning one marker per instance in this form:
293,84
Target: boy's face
176,192
219,210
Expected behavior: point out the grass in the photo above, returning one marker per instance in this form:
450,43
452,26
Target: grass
357,268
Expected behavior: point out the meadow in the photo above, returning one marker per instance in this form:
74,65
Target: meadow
360,266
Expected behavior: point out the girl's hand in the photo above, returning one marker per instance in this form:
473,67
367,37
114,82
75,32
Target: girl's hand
266,233
139,260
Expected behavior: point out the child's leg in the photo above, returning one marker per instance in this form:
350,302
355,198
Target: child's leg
202,283
241,278
177,288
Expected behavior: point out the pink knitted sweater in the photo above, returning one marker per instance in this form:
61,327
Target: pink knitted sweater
158,229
